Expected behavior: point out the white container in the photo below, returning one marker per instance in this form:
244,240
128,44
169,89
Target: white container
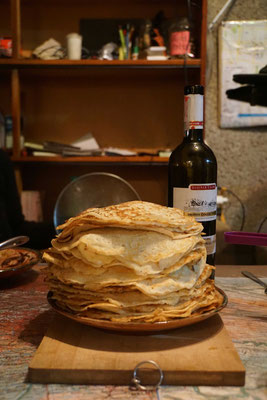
74,46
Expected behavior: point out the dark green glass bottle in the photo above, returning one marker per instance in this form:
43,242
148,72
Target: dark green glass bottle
192,179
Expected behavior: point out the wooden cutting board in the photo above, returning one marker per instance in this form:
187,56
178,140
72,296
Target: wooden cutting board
200,354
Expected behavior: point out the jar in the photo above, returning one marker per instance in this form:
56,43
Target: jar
181,42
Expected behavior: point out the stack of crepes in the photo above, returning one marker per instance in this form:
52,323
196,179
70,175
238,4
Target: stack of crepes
131,262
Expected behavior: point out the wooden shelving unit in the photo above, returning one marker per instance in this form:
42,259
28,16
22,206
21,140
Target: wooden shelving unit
129,104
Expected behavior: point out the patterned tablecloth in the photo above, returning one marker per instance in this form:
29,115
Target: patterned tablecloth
25,316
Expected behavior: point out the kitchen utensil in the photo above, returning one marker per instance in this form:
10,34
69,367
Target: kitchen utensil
255,279
15,241
73,353
247,238
97,189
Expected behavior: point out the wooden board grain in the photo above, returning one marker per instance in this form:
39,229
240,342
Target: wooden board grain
200,354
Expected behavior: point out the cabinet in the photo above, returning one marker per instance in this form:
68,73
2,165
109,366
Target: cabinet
133,104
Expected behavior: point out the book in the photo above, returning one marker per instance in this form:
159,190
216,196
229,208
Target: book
44,154
157,58
82,153
33,145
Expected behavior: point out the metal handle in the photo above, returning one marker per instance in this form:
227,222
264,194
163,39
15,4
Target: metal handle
15,241
254,278
224,9
136,380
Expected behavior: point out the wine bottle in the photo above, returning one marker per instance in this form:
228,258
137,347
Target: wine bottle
192,171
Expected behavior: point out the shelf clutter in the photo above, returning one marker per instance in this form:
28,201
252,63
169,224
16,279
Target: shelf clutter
89,149
84,148
157,38
125,87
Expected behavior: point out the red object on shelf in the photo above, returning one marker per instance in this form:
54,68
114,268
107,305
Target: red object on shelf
5,47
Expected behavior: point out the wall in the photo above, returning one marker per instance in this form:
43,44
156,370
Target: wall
241,153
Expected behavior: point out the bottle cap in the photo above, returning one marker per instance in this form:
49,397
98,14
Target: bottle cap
194,89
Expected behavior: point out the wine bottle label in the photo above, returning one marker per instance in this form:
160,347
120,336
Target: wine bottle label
198,200
193,111
210,243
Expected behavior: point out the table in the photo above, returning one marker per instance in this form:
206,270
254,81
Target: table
25,316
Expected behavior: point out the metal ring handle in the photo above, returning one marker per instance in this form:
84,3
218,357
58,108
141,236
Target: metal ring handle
137,382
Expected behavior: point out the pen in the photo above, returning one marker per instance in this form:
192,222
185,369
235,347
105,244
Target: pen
130,42
135,52
122,41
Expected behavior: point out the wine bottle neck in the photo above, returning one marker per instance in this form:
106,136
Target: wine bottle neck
193,112
193,135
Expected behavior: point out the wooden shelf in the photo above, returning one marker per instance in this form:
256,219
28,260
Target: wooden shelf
133,160
23,63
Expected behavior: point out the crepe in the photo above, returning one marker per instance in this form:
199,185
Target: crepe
75,271
144,252
132,215
136,261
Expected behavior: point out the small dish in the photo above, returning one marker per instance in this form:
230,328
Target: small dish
138,328
14,261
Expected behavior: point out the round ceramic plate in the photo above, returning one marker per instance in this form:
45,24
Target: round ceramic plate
135,328
12,270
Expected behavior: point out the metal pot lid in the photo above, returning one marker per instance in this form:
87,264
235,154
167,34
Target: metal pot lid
97,189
